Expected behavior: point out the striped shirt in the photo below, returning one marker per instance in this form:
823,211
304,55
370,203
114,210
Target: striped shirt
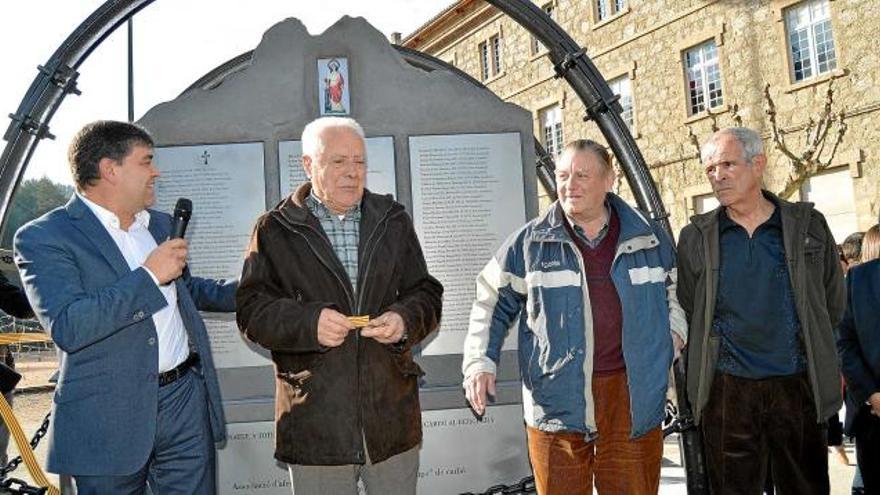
344,234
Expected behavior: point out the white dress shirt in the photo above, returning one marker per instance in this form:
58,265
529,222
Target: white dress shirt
135,245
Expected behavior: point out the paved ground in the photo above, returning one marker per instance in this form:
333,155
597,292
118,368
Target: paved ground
32,404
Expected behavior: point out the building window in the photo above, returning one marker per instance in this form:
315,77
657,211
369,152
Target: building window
484,61
810,41
490,58
622,86
703,77
537,46
496,54
551,129
608,8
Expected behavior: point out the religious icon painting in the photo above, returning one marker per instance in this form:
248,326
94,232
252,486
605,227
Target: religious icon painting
333,86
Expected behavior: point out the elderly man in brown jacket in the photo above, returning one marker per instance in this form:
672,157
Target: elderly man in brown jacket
320,263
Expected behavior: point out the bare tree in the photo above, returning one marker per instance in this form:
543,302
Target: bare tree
816,154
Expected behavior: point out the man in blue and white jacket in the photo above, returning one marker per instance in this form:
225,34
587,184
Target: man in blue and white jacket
592,285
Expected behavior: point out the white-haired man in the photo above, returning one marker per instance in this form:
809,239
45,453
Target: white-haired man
347,395
760,281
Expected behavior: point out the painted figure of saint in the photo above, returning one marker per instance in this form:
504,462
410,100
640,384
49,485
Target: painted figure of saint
334,86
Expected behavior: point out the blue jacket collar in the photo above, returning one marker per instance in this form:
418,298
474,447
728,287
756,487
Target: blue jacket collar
87,223
551,225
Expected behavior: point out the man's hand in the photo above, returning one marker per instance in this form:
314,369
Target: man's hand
166,262
388,328
677,346
874,400
333,327
477,388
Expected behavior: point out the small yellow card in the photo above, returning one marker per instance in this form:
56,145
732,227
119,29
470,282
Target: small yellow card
359,321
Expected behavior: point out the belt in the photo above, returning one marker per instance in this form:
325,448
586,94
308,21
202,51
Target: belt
178,371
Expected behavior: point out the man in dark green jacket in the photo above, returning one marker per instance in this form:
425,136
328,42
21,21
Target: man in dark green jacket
760,281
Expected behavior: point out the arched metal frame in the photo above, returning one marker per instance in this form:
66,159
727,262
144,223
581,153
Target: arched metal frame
57,79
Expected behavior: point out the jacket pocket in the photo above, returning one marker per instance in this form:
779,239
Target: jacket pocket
295,383
814,250
81,387
407,366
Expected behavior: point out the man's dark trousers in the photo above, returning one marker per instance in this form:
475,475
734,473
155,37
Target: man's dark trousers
749,422
182,461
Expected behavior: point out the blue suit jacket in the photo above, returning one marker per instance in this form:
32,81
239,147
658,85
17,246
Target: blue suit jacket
858,338
99,313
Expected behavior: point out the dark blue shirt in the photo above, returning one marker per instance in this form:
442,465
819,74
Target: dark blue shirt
755,313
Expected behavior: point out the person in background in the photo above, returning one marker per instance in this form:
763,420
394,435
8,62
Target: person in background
858,343
871,244
851,250
13,302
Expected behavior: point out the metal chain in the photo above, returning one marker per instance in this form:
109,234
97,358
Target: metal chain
35,441
671,421
525,486
17,486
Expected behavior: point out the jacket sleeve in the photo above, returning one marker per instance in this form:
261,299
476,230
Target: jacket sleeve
860,383
420,298
677,319
74,316
835,291
207,294
687,277
266,315
500,296
210,294
13,300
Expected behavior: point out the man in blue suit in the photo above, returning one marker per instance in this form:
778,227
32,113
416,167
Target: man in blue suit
858,342
137,401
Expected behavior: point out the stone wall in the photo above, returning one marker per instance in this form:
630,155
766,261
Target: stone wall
646,41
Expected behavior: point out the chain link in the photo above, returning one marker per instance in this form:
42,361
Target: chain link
17,486
525,486
14,463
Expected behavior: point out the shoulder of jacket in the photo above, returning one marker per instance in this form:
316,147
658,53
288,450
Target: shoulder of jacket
51,221
688,233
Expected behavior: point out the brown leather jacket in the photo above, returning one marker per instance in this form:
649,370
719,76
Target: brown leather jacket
326,397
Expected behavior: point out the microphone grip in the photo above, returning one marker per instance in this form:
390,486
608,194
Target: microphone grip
178,228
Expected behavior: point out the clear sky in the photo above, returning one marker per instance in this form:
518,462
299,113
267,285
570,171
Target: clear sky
176,42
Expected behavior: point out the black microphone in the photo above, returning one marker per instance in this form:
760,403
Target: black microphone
182,211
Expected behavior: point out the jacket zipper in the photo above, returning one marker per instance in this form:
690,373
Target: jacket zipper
351,299
368,256
588,363
322,259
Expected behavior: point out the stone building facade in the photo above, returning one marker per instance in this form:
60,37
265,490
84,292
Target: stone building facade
681,64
